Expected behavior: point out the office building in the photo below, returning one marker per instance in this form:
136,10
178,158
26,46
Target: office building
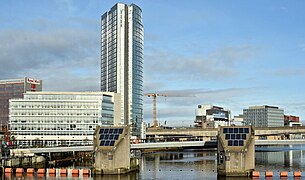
61,118
122,43
290,120
264,116
238,120
209,116
14,88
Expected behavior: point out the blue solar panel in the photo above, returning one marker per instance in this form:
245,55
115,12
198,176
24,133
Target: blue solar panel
225,130
116,136
244,136
108,136
227,136
230,143
246,130
235,136
235,130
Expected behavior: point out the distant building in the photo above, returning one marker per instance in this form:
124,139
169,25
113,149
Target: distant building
264,116
290,120
238,120
14,88
122,60
209,116
61,118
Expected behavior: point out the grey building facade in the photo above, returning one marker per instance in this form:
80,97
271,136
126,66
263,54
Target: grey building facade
264,116
122,56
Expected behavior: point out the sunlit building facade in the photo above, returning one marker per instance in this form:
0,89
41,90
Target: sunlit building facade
122,48
61,118
264,116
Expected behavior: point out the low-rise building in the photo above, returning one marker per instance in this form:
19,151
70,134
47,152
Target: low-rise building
209,116
290,119
61,118
238,120
264,116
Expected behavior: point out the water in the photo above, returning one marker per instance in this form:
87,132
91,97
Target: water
202,164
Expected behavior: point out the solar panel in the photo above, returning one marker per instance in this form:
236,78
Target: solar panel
227,136
244,136
235,136
246,130
230,143
120,131
235,130
225,130
111,136
108,136
116,136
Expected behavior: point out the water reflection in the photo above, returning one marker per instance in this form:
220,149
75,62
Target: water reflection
198,164
288,158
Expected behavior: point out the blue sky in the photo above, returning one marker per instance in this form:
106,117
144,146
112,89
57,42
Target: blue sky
228,53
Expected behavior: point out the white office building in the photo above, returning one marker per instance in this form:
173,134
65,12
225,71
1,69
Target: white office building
209,116
61,118
122,57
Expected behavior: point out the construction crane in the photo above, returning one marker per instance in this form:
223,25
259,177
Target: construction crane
154,96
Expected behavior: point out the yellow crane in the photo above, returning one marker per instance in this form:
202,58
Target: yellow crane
154,96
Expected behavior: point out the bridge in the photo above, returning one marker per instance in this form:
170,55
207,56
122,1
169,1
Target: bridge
141,146
212,132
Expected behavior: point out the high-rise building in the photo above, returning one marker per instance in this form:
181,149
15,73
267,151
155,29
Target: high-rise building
122,43
14,88
264,116
61,118
209,116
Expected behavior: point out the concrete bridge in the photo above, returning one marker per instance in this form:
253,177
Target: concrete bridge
214,131
140,146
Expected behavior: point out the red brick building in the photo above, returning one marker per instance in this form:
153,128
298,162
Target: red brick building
290,118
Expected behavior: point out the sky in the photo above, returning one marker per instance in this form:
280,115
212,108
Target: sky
233,54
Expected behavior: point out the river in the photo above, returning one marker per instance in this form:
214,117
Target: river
202,164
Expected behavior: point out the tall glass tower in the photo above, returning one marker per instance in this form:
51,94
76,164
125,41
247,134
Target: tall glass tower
122,46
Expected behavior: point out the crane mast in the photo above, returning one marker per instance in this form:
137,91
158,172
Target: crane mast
154,96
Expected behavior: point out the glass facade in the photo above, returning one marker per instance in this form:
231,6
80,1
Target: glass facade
54,119
12,89
122,57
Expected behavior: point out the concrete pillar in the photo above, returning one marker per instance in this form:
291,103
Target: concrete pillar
235,151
